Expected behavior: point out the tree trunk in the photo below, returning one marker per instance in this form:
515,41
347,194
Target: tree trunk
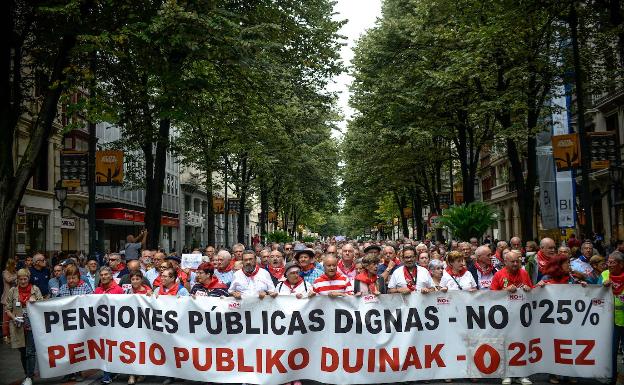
242,199
418,207
13,182
155,167
264,209
210,216
580,120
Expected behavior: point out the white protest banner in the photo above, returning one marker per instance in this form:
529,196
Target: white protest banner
191,261
560,329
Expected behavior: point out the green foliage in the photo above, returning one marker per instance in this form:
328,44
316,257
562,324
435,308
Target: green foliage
308,239
468,220
278,236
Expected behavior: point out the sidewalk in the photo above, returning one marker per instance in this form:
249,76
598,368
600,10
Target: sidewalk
11,373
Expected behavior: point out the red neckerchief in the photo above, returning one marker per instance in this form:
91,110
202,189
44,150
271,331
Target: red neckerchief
461,273
617,285
143,290
253,273
214,284
277,272
120,267
542,261
561,280
293,287
369,281
157,281
24,293
172,291
228,268
499,255
487,271
410,277
307,268
343,269
182,275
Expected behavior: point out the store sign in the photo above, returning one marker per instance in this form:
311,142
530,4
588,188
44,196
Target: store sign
109,168
74,168
68,223
603,150
233,206
407,212
272,216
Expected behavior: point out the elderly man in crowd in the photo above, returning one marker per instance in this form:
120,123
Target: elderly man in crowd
275,266
482,269
346,266
209,253
40,274
333,283
251,280
237,251
536,264
224,266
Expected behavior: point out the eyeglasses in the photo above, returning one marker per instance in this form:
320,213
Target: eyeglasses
163,267
113,259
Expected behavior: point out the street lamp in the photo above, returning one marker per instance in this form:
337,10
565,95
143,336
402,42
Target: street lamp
60,193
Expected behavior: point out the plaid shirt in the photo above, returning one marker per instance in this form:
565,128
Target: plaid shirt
311,275
82,288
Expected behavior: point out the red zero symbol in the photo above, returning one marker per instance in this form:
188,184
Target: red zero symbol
479,359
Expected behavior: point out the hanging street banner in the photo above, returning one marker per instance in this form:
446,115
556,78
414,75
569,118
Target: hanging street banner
390,338
566,205
548,187
109,168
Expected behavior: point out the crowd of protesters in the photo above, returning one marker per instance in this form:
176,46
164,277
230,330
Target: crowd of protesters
333,269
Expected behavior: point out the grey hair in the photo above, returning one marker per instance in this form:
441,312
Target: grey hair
225,254
617,255
435,263
106,268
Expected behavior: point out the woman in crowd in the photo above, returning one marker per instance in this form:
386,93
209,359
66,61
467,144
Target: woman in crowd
294,284
137,284
436,268
359,267
207,284
18,299
368,282
599,264
161,267
9,278
558,271
456,276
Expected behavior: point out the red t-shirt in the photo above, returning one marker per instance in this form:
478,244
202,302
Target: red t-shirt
113,288
502,279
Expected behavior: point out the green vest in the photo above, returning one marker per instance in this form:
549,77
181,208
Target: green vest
618,315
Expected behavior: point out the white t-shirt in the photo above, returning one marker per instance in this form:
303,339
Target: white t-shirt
423,279
466,281
251,286
303,288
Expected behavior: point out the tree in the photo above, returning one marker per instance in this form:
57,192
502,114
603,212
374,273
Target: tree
468,220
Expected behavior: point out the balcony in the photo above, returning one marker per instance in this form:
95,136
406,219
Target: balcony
194,219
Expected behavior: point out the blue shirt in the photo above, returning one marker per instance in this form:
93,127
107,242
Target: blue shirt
40,278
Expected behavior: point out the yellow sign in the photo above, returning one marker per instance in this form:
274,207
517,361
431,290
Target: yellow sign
218,205
407,212
272,216
566,151
109,168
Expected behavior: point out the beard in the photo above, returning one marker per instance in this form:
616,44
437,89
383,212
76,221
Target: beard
249,268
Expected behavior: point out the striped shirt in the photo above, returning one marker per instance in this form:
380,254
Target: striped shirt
323,285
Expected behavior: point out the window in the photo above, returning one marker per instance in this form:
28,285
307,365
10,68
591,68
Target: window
611,122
